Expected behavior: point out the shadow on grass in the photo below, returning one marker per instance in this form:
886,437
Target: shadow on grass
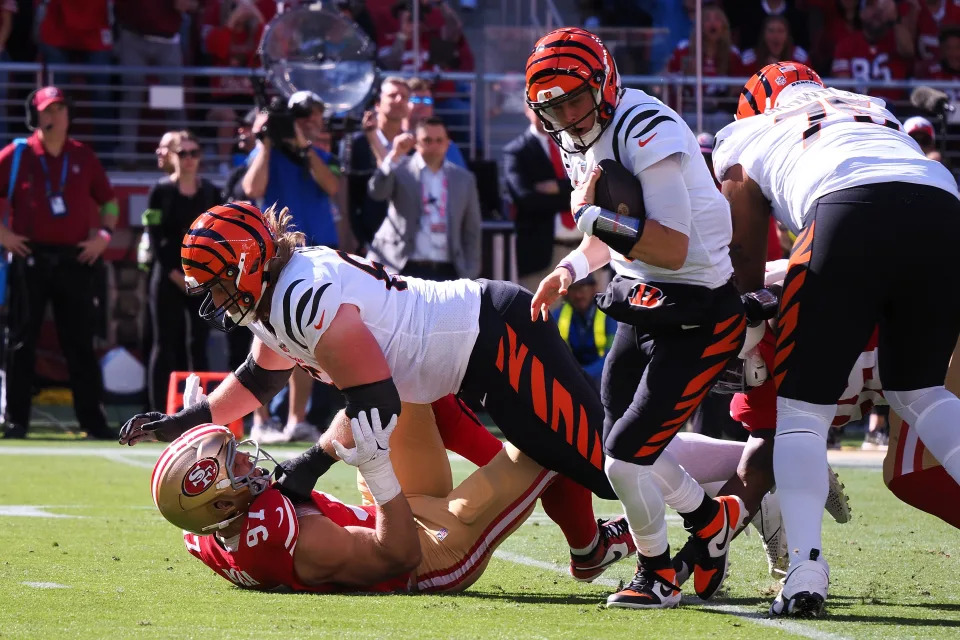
835,611
534,598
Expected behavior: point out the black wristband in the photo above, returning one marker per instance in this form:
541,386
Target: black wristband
316,460
760,305
618,232
182,421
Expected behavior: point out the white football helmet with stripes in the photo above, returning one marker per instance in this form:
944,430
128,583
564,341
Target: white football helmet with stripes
195,483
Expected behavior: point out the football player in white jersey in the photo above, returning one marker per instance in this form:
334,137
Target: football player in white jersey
382,339
680,318
870,209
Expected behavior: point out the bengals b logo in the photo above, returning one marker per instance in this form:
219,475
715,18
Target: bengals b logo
645,295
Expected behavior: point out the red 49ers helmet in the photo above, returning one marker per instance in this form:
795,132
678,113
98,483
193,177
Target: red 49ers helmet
761,91
564,65
228,246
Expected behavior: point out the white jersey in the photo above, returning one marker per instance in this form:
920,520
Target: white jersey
426,329
821,141
645,131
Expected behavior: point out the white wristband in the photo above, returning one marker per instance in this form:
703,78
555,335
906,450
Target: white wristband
381,479
579,262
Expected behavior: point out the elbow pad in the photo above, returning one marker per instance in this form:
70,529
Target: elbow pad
382,396
262,383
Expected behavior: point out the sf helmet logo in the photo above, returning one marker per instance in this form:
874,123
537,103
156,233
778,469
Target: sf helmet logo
200,477
645,295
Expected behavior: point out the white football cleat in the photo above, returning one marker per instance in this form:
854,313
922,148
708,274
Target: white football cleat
769,523
838,503
268,433
301,432
804,590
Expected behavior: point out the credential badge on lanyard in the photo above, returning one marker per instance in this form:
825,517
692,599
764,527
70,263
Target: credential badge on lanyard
57,206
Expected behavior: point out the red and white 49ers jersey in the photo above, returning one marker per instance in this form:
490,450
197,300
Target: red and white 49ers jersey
821,141
262,555
426,330
645,131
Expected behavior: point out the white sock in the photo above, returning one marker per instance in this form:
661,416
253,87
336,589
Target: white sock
935,413
706,459
680,491
800,469
712,489
585,550
643,503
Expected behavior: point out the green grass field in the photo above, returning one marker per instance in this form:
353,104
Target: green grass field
85,555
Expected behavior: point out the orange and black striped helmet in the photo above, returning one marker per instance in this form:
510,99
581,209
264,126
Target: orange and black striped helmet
761,91
565,64
228,247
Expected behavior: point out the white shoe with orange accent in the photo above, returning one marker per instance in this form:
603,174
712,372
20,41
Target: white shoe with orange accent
649,589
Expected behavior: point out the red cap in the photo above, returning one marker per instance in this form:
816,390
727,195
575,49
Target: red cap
46,96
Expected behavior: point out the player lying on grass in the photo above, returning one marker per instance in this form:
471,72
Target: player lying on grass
429,537
381,340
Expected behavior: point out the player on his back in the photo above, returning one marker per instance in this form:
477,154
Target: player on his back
680,318
837,169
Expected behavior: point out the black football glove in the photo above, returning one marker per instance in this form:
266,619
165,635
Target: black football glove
297,477
760,305
154,425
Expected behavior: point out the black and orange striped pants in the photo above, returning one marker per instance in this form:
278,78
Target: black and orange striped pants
527,379
655,378
872,255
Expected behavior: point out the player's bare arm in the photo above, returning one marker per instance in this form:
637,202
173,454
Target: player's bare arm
750,211
592,254
354,361
256,381
327,552
355,555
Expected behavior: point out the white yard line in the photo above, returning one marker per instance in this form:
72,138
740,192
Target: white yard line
746,613
838,459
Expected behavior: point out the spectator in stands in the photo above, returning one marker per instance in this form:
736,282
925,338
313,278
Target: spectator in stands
73,32
926,19
775,44
948,66
421,108
179,335
882,49
677,18
831,21
540,190
297,174
749,17
356,10
364,150
720,58
148,36
231,35
166,148
432,228
587,330
63,215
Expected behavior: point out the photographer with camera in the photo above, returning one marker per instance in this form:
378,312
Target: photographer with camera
289,170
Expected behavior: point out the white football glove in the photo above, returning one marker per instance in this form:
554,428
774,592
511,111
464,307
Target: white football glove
192,392
371,454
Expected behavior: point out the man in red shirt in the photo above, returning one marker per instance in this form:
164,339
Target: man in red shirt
882,50
63,215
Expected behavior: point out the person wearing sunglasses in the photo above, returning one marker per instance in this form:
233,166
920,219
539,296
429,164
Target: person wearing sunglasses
179,338
421,105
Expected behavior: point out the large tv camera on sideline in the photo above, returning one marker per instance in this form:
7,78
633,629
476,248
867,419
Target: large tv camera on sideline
314,49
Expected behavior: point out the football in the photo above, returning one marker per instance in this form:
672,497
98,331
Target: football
617,190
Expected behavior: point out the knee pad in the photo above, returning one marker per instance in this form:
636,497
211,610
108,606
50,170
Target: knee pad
913,405
797,416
